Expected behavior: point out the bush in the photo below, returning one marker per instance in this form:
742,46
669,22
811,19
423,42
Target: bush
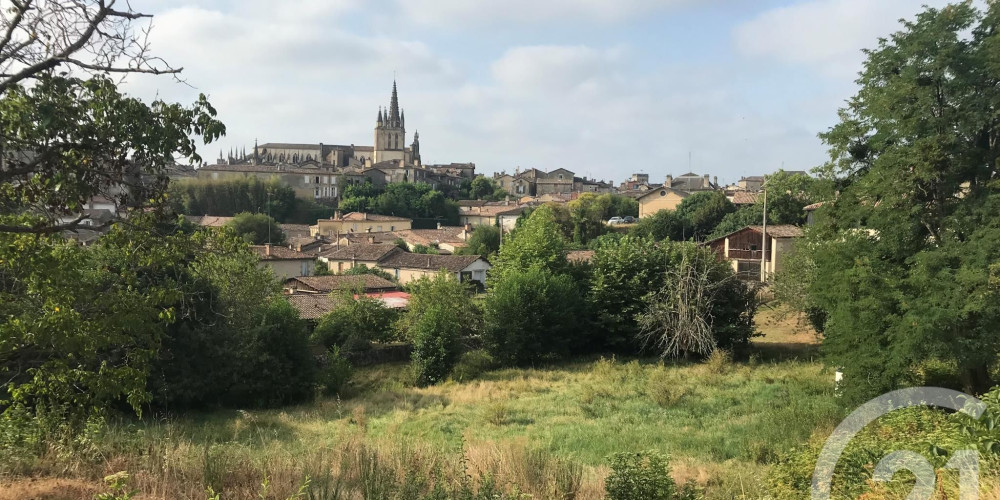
531,315
643,475
472,364
355,324
257,229
435,338
335,373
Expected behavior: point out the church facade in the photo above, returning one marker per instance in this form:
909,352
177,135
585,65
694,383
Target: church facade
322,170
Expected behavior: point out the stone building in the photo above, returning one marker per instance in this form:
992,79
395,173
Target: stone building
321,171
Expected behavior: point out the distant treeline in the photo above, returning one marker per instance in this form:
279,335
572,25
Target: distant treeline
233,196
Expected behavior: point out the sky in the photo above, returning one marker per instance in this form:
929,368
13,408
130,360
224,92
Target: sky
604,88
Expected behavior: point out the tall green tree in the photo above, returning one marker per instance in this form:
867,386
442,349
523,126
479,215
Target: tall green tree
901,255
538,241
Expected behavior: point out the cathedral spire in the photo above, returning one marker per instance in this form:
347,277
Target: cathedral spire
394,105
379,121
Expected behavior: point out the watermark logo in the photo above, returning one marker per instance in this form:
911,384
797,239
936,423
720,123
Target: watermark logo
965,461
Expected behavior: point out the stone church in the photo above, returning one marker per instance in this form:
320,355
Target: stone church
325,168
389,145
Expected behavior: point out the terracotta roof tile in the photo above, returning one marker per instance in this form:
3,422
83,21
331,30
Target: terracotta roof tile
326,284
452,263
279,252
363,252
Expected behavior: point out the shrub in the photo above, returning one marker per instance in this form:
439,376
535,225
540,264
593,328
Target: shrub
531,315
643,475
435,338
335,373
472,364
355,323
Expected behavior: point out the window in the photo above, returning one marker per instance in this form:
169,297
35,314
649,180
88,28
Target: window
215,176
560,177
663,193
317,179
317,192
306,179
397,273
305,269
379,229
392,228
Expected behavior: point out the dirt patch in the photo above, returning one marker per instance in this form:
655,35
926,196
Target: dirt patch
49,489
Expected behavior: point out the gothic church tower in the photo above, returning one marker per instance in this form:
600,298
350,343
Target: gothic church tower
390,131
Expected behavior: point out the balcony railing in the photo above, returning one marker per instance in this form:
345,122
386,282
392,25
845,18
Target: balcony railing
748,254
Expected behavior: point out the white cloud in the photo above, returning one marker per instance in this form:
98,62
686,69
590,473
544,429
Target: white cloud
548,68
450,12
597,109
825,34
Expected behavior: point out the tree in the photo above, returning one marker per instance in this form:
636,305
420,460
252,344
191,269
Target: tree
439,314
624,272
538,241
228,197
66,140
533,315
752,215
355,323
621,206
257,229
436,349
81,326
587,214
901,254
87,36
702,212
700,307
663,225
485,188
485,241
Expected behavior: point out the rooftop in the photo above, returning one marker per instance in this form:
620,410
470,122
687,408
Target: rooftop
451,263
278,252
326,284
365,252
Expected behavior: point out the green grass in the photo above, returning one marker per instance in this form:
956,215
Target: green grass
723,423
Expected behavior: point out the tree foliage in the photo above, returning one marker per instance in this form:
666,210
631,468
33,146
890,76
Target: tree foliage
440,313
257,229
538,241
533,315
624,272
485,241
67,140
228,197
485,188
901,255
355,323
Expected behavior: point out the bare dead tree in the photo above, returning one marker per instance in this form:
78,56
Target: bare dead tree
678,320
95,36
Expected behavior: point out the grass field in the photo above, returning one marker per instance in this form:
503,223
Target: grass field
546,430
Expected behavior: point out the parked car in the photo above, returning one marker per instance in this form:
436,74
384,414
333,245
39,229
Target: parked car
629,219
615,221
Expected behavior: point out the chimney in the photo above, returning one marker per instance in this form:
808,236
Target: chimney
337,215
366,215
267,250
670,181
371,239
468,227
439,226
715,180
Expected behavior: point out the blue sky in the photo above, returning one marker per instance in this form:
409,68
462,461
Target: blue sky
603,88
